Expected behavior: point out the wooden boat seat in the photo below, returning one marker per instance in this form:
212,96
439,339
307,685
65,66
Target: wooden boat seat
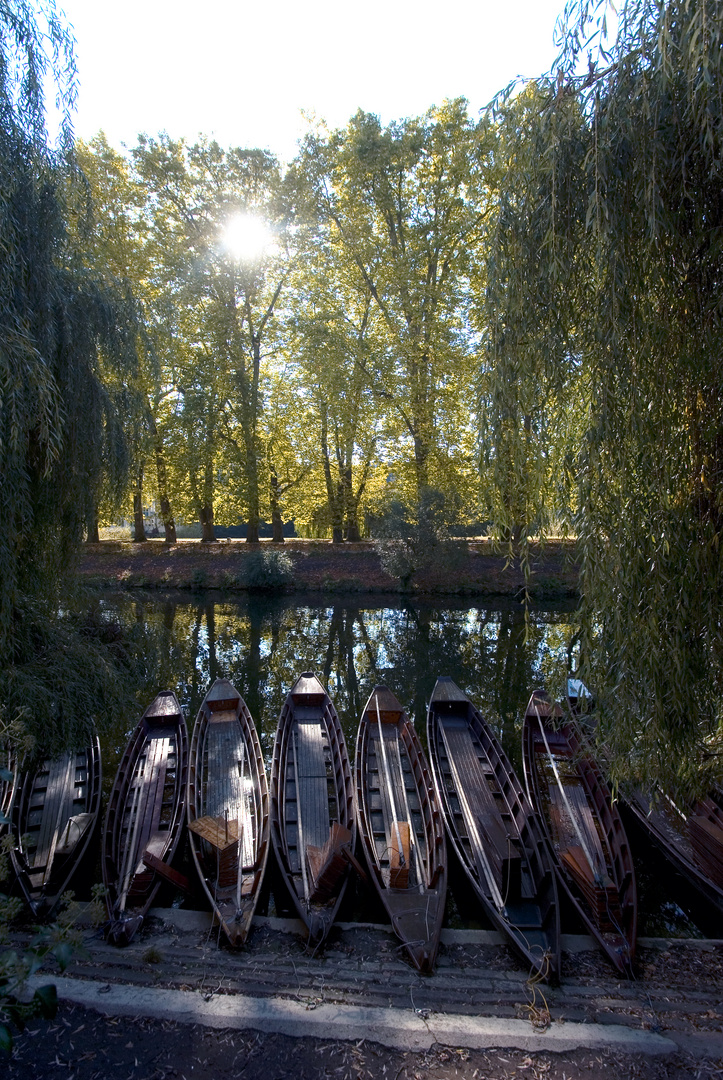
222,697
488,834
327,865
73,831
525,916
399,860
162,709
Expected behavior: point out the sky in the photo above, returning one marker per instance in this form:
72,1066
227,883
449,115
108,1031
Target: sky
246,73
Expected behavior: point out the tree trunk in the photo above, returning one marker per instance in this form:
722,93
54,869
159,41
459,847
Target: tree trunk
252,457
138,522
205,516
277,525
333,492
93,536
169,524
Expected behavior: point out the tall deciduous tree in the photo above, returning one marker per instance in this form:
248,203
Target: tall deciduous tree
117,245
196,196
403,203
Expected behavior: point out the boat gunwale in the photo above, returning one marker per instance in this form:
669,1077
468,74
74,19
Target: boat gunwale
529,829
112,828
319,917
193,797
596,791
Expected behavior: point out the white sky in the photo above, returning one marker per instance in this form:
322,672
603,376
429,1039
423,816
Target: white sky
244,72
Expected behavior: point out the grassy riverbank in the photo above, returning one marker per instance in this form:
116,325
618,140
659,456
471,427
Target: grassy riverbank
477,569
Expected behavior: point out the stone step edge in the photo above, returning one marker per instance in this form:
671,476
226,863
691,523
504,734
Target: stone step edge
185,919
405,1029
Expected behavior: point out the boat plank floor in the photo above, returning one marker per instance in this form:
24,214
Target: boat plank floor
479,807
57,807
313,791
566,835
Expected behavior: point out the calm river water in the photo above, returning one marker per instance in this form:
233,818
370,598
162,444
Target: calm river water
353,643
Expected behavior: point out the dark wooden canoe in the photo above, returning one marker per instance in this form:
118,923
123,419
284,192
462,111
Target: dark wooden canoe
691,838
401,825
54,819
583,827
312,805
493,828
145,815
228,808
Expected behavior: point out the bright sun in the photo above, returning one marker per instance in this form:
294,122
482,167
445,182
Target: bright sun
246,237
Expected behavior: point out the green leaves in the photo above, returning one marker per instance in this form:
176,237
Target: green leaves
603,306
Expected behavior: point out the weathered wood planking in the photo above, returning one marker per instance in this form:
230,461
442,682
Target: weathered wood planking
145,814
489,835
227,800
394,787
311,790
493,828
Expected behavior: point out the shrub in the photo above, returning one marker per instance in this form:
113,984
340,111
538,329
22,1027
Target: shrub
268,570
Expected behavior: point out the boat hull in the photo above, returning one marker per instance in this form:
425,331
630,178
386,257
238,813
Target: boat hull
494,830
313,828
54,821
401,827
145,815
583,828
228,809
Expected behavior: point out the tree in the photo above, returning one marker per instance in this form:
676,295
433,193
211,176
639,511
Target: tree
194,196
334,342
403,204
61,332
118,249
621,166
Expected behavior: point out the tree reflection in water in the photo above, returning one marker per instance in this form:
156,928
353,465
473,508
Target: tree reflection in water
262,644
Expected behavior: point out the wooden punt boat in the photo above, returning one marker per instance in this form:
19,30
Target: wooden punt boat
690,838
228,808
493,828
54,819
401,826
313,829
583,827
145,815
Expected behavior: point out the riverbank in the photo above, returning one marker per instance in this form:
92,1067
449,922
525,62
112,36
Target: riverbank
477,568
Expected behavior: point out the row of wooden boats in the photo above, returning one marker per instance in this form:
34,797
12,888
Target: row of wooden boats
516,843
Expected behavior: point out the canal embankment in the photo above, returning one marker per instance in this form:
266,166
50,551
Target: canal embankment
471,568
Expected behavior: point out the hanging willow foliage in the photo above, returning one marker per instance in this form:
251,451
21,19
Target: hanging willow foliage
604,303
58,325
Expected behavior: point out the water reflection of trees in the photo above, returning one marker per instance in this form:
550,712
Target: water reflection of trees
262,645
